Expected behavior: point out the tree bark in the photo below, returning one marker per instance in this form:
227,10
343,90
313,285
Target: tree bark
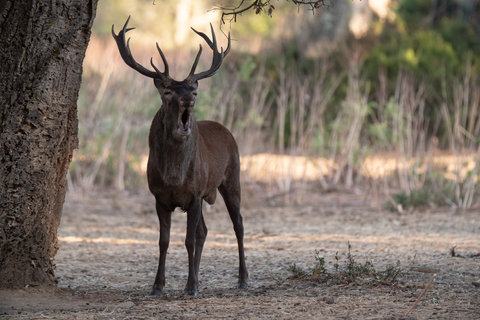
42,46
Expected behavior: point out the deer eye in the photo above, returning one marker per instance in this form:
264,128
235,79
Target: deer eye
194,93
168,92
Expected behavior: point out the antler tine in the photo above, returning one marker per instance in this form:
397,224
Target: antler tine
125,29
165,72
228,46
217,57
126,54
154,66
205,37
214,39
197,58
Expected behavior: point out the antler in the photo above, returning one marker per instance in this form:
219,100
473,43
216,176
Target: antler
217,58
124,49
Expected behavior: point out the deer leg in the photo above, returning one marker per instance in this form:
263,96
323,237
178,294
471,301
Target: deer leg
164,217
201,235
194,213
232,201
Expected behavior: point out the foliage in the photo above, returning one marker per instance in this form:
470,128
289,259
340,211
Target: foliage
429,42
436,190
416,198
424,53
463,37
414,12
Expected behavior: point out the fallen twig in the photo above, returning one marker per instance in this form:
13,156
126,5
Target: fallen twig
429,284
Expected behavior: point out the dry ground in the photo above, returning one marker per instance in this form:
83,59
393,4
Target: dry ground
108,252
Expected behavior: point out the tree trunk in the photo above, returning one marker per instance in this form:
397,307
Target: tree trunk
42,46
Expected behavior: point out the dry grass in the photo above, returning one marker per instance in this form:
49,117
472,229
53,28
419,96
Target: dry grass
288,113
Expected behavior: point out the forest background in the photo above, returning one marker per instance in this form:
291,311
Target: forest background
374,95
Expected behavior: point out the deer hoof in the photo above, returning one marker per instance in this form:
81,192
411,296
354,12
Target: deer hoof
192,293
242,285
156,292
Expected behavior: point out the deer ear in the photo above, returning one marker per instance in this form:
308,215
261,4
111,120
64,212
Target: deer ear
158,83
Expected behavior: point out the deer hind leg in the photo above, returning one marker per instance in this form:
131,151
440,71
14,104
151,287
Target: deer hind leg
194,214
231,195
164,217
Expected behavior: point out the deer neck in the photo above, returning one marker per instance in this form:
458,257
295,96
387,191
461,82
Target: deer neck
173,158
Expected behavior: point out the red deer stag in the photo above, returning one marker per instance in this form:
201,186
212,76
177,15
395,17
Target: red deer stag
188,161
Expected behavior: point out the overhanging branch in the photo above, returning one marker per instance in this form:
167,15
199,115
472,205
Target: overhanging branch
263,6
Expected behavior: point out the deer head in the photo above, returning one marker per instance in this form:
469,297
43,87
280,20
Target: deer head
178,97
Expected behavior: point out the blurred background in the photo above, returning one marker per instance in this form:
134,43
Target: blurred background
374,96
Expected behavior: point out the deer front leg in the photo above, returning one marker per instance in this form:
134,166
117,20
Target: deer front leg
201,235
194,213
164,217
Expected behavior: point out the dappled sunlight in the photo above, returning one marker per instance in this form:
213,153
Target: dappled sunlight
71,239
403,240
130,241
265,241
266,167
270,167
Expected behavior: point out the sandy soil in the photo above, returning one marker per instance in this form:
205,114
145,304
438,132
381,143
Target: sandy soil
108,252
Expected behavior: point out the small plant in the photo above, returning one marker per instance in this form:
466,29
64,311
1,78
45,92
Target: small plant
297,272
354,269
350,271
453,253
319,269
336,265
390,274
319,263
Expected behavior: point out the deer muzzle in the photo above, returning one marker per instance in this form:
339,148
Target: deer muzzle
185,121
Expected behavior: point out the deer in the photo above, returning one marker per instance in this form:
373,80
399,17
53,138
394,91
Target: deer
188,160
